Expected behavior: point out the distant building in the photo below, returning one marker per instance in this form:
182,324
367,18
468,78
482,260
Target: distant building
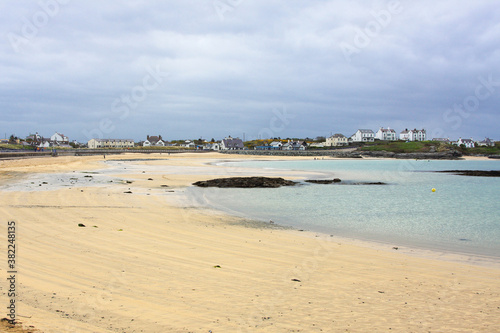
153,141
59,139
363,135
386,134
487,142
413,135
188,144
276,145
468,143
317,144
110,143
230,143
337,140
295,145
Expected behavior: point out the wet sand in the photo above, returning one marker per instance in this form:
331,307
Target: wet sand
150,261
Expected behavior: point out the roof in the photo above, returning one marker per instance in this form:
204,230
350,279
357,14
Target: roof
338,135
365,130
119,140
233,143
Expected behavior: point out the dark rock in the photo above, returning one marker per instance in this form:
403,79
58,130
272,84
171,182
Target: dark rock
324,181
475,173
338,181
448,155
245,182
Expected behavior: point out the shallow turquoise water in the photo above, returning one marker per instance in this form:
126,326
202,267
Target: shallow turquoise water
462,215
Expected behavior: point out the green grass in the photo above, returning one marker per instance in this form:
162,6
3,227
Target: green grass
14,146
481,150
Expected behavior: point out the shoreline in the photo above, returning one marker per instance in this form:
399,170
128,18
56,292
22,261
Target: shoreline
152,261
428,251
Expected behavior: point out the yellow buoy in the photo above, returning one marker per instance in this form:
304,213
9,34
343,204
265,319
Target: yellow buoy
433,190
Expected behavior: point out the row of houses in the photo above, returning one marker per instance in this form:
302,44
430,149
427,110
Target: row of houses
289,145
367,135
467,143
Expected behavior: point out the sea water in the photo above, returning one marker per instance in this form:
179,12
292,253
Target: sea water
462,215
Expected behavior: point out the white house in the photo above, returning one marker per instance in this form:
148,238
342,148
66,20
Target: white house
212,146
487,142
363,135
58,138
337,140
413,135
230,143
386,134
468,143
45,143
275,145
110,143
153,141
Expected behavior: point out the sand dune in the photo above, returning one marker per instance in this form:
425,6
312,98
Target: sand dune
144,262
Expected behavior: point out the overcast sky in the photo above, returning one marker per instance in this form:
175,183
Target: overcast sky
187,69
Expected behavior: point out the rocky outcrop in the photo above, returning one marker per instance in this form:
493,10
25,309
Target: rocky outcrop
324,181
245,182
448,155
345,153
340,182
474,173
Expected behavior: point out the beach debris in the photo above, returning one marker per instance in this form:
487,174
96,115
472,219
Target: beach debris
217,266
81,225
433,189
296,280
150,178
163,185
395,247
381,292
271,222
120,229
129,192
128,182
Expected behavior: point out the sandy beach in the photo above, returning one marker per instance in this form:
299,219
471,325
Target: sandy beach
145,259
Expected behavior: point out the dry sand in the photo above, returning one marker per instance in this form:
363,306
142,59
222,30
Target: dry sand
147,262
